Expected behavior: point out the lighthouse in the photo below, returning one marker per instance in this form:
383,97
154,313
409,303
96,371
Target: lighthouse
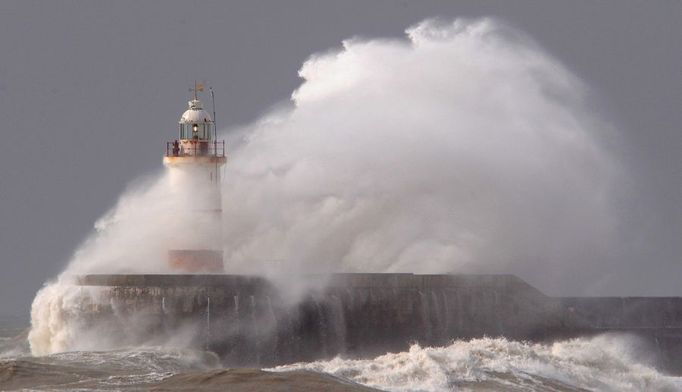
194,161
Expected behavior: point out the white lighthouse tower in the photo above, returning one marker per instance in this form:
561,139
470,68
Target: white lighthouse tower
194,160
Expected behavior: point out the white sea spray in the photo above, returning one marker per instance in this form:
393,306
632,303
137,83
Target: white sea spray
463,147
604,363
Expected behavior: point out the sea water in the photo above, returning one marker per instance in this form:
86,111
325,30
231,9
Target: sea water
604,363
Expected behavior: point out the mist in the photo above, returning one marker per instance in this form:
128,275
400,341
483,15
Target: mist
155,214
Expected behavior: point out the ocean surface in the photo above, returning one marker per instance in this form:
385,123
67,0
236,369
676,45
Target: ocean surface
602,363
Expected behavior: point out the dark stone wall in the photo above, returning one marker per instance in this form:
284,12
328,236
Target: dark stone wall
248,322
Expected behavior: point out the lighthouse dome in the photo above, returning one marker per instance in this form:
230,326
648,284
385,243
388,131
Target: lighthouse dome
195,113
196,123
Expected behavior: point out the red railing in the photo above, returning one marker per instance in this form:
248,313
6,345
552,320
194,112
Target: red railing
196,148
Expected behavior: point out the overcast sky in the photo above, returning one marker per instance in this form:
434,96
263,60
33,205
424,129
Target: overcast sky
91,90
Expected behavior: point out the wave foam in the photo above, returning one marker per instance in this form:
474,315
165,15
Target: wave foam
603,363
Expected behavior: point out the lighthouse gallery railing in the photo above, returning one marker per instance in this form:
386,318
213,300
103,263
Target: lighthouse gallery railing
196,148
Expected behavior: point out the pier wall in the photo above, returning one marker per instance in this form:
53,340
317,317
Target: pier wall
248,321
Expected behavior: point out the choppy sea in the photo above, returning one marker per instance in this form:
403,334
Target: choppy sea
602,363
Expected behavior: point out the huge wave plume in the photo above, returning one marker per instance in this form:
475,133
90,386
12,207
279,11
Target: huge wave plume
462,147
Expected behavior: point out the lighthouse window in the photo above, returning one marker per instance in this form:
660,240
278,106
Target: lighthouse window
196,131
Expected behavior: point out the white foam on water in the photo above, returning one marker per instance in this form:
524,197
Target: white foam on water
55,317
604,363
66,318
128,369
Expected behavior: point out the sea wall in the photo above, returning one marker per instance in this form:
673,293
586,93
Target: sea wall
249,322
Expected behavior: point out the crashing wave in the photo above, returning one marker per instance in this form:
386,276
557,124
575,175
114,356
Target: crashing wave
602,363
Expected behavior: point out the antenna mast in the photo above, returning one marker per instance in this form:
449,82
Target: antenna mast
215,128
215,135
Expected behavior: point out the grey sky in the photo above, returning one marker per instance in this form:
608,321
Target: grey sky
90,91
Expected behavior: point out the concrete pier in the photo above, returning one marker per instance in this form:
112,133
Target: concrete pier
249,322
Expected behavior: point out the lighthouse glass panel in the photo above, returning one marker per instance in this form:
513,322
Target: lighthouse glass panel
204,131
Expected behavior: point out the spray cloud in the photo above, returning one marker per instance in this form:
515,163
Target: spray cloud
462,148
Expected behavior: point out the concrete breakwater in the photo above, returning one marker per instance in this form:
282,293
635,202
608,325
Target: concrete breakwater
248,321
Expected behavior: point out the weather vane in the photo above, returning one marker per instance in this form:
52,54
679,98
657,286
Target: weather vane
197,87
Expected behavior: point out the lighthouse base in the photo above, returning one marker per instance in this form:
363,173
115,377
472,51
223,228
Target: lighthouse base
196,260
